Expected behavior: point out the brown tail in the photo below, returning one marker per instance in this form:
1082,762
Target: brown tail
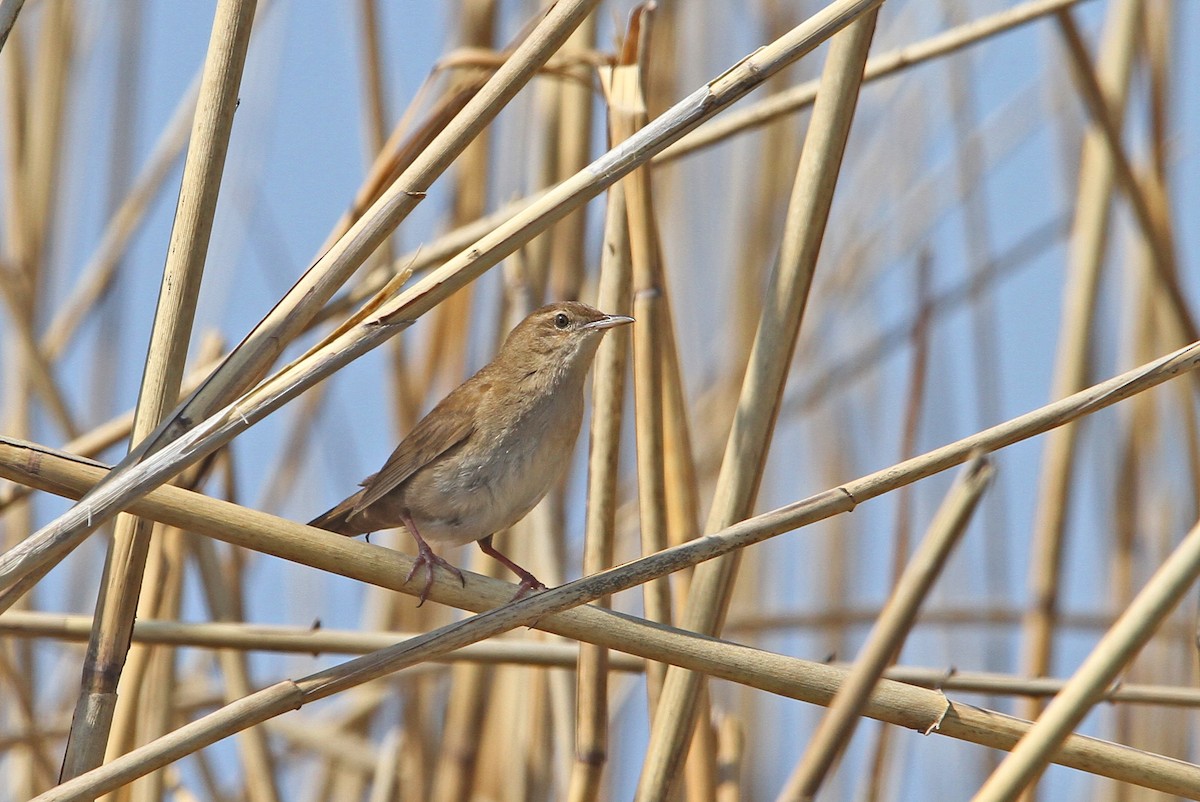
339,520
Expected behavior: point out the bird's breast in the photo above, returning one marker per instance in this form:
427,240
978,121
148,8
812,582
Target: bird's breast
495,478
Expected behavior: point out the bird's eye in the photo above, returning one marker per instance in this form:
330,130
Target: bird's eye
561,320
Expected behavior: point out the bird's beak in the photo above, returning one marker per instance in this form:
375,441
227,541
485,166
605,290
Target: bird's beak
608,321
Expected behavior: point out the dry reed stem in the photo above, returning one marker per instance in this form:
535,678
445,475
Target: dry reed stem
16,246
375,123
843,616
385,784
604,453
162,376
379,566
44,130
152,691
762,387
731,745
833,734
1089,238
627,109
458,754
1086,687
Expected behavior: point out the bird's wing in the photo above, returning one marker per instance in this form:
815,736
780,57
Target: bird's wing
433,436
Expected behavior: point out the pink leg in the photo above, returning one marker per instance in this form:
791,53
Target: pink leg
427,558
528,581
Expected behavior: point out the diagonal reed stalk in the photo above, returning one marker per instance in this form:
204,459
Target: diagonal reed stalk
762,387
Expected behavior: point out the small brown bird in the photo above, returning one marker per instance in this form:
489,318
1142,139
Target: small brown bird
488,453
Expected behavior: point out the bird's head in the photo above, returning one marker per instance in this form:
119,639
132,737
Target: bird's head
559,339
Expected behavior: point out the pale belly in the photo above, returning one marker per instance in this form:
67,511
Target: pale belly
465,499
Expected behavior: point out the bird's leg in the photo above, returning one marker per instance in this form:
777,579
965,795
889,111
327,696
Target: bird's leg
528,581
426,557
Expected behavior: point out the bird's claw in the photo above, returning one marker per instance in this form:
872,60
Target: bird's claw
427,558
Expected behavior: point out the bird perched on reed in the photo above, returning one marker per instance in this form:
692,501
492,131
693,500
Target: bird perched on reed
489,452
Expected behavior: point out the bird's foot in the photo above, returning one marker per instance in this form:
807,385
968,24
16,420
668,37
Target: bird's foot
529,583
427,558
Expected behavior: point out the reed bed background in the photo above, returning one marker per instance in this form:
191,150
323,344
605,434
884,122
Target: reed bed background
865,243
